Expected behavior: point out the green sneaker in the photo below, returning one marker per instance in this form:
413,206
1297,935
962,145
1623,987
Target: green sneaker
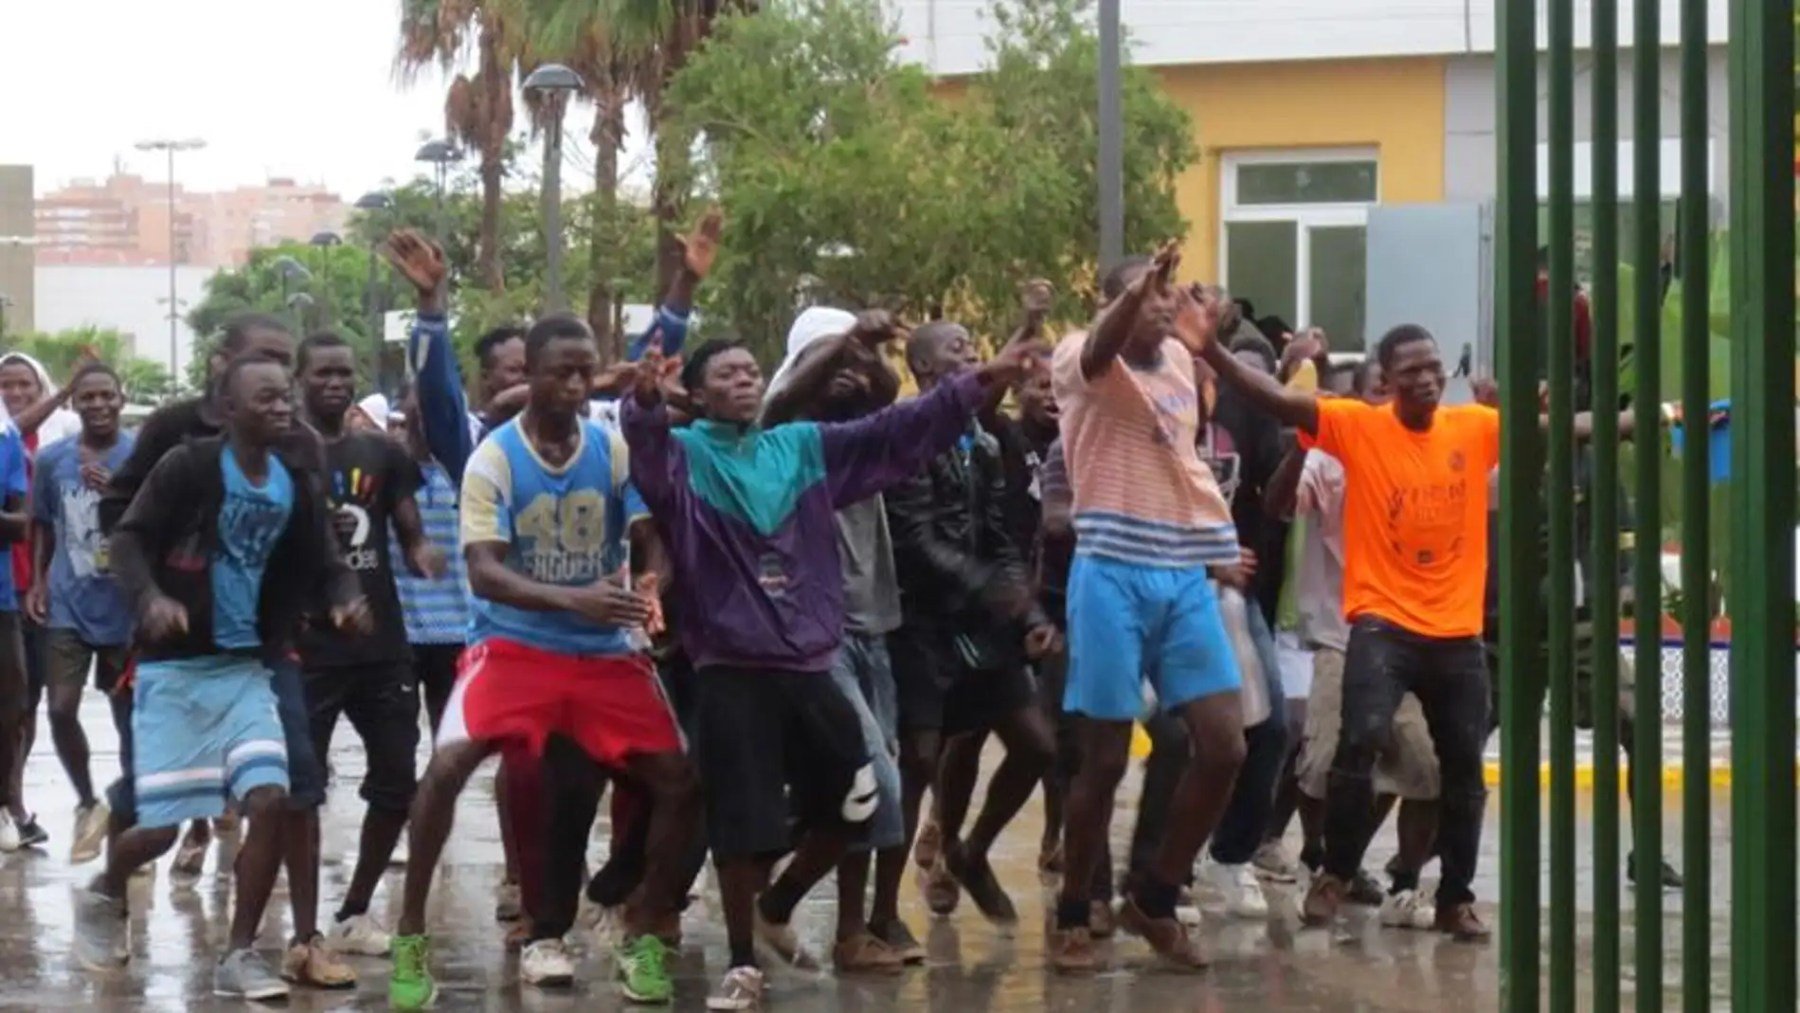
411,986
644,969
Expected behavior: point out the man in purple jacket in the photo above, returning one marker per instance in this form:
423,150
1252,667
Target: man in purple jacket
747,515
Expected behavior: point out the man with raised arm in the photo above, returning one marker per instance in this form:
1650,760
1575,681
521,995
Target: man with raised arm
749,515
1152,533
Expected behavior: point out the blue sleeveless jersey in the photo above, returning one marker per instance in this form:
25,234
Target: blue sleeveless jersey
563,526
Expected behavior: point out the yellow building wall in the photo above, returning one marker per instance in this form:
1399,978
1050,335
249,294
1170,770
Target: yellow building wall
1393,105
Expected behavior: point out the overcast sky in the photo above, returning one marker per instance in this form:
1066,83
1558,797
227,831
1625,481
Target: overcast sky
276,89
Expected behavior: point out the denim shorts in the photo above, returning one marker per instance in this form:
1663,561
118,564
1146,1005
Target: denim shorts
864,673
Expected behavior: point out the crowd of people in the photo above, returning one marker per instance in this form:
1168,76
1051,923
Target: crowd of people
781,620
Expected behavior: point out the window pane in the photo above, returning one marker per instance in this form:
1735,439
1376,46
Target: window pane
1306,183
1338,262
1260,265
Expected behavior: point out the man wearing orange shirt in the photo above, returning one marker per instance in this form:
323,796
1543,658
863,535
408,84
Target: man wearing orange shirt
1415,542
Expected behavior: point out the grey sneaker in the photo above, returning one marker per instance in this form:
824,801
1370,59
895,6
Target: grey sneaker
244,974
101,933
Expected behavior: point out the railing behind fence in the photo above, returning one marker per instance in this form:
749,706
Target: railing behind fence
1546,632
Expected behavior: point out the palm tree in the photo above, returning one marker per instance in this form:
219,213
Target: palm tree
478,110
626,49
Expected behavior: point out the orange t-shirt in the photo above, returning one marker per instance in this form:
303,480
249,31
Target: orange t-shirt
1415,513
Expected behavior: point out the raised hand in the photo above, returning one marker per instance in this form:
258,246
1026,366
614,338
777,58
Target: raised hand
1197,317
417,259
701,246
875,328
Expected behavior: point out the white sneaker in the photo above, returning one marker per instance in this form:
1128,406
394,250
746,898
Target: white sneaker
546,964
1237,886
1275,863
742,988
9,832
1409,909
90,832
360,934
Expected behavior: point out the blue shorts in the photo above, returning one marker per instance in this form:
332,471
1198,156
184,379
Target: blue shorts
204,729
1129,623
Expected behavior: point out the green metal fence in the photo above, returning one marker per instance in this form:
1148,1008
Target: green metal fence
1540,619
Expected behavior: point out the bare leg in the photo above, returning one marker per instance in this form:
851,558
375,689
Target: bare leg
740,880
131,850
71,740
1030,749
258,862
852,885
918,760
302,860
1216,729
433,812
1105,751
958,768
674,789
381,829
819,852
1417,828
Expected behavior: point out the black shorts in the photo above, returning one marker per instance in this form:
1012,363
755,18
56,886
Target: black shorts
68,658
938,691
382,702
778,748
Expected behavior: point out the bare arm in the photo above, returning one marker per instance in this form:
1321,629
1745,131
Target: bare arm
1293,408
812,371
492,579
15,522
1283,490
31,418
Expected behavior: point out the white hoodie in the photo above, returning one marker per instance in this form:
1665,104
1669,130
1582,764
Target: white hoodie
62,422
811,325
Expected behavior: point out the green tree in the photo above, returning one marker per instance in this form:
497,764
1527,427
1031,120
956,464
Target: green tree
144,380
311,288
851,178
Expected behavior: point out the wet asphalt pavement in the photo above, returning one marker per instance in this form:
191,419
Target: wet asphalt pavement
177,932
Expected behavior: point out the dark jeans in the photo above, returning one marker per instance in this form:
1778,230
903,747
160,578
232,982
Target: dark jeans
1449,676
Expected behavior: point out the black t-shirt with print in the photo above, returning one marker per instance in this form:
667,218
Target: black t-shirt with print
366,476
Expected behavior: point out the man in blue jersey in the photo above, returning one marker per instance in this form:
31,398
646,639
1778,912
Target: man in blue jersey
221,551
545,509
73,594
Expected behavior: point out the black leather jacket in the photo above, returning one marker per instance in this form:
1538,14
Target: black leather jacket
953,550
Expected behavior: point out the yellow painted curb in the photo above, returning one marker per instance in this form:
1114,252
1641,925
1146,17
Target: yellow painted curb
1672,774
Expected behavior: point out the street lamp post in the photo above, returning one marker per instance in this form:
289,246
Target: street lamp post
323,242
292,272
556,83
1112,138
171,146
373,204
441,154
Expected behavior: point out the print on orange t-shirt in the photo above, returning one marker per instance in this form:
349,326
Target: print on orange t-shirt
1415,513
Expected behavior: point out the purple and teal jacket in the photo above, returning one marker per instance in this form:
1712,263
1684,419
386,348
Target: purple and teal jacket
747,517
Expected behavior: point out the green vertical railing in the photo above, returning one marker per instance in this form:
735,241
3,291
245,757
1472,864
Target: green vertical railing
1693,253
1515,312
1604,595
1538,655
1761,601
1646,606
1560,574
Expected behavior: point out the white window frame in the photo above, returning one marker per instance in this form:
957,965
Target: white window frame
1305,216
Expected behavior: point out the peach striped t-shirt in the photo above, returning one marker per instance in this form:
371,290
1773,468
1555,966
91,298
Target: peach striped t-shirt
1141,493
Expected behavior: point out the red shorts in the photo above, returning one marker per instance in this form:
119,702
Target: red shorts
510,694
